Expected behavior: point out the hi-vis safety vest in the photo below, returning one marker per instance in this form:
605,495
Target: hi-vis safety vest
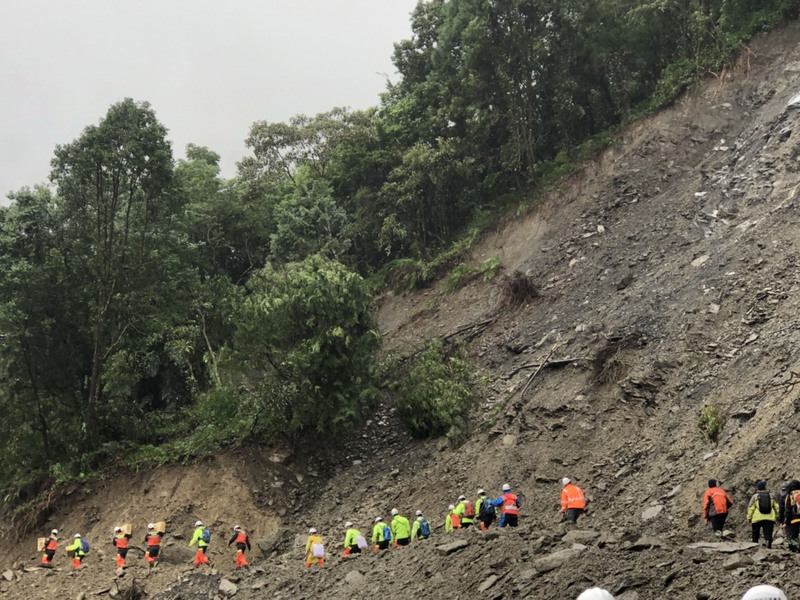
120,541
153,539
241,538
572,497
510,504
52,544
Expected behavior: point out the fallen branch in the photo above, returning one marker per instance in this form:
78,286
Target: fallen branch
471,331
537,371
552,364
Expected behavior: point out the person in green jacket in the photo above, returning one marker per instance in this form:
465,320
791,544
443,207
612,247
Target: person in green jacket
421,530
465,512
351,540
380,540
484,511
451,521
200,558
77,549
762,501
401,529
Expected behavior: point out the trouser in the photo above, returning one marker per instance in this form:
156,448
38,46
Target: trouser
311,559
793,535
572,514
47,557
152,554
383,545
241,561
200,557
465,524
122,553
508,519
403,542
718,522
352,549
486,522
768,527
76,561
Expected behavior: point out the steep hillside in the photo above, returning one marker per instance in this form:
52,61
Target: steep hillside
668,270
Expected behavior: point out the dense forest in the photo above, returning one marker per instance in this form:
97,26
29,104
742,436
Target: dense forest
151,310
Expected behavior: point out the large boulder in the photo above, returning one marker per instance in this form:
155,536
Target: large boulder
276,543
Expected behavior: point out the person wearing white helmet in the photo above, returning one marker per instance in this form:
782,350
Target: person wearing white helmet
764,592
401,529
315,549
201,537
242,541
485,511
381,534
351,540
452,520
595,594
421,530
573,502
509,507
465,511
50,546
120,542
153,542
78,550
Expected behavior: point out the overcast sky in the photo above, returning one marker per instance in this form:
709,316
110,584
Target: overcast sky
208,68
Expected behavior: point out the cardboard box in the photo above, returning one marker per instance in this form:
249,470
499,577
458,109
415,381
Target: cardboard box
40,544
161,527
126,529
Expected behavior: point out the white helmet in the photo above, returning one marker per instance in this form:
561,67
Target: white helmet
419,513
764,592
198,524
312,531
395,512
54,532
151,526
237,527
77,535
462,497
481,493
565,481
378,519
117,529
451,507
506,487
348,525
595,594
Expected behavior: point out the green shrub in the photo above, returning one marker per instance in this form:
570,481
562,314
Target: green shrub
711,423
464,274
436,394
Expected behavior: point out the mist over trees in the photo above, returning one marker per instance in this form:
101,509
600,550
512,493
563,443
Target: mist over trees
151,310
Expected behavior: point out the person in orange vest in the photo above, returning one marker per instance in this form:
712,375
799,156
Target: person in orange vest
242,541
50,548
153,542
716,503
573,502
121,542
452,520
509,507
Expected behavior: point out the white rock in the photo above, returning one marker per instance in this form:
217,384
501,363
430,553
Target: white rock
227,588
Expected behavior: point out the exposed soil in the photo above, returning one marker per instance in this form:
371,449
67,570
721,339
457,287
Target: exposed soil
667,268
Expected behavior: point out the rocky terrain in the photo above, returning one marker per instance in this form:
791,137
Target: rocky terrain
668,282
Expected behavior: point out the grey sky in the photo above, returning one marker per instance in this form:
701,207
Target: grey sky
208,68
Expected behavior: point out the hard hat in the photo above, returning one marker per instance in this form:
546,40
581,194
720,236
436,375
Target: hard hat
237,528
451,507
395,512
419,513
764,592
462,497
481,493
565,481
312,530
117,529
506,487
378,519
595,594
151,526
54,532
348,524
77,535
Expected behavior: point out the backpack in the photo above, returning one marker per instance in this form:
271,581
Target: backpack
85,546
764,503
387,533
424,528
487,509
794,509
206,535
469,510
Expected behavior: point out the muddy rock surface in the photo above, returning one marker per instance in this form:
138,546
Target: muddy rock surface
669,281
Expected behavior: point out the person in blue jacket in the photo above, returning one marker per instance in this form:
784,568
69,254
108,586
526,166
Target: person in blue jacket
509,507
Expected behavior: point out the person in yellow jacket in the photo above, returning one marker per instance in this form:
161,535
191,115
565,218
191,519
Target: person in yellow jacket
484,510
351,540
202,545
465,511
401,529
315,549
77,549
381,534
762,512
421,530
452,520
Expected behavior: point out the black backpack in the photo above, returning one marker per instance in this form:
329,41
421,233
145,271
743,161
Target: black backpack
764,503
487,509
